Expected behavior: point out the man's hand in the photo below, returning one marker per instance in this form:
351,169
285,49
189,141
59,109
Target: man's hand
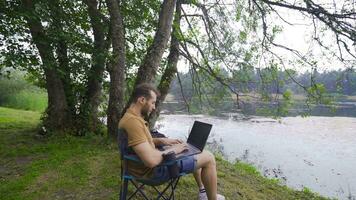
169,141
178,148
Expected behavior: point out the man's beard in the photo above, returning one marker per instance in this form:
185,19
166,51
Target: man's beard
145,111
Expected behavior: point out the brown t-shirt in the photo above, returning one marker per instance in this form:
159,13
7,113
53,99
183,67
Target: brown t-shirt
137,133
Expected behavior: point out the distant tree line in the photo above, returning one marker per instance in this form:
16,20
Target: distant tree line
189,84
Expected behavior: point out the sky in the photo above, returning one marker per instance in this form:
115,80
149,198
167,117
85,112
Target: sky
299,37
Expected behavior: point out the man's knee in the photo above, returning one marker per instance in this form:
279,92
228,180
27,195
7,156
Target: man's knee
210,157
205,159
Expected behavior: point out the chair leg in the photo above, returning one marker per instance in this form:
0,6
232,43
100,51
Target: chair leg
123,190
170,184
174,188
160,194
138,189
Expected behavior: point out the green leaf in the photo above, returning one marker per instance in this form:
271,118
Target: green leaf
238,13
242,36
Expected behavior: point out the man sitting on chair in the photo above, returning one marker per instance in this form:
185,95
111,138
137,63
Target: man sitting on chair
139,138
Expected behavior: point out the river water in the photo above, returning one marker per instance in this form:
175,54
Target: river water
314,152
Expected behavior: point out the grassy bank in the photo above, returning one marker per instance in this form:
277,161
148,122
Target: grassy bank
69,167
17,92
28,100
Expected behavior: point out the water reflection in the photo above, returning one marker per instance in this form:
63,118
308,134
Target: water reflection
314,152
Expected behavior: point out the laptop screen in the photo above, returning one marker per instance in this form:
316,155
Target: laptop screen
199,134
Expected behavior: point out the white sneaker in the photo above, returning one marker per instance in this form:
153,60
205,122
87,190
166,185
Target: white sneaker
203,196
220,197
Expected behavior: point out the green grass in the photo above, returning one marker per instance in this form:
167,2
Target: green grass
28,100
20,93
67,167
18,119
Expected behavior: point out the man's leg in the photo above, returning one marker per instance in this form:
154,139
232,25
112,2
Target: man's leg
206,162
197,177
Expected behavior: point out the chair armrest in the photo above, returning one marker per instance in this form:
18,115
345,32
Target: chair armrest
133,157
171,162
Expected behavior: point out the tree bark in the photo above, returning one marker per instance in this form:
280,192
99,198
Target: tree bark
61,44
57,110
95,77
63,63
148,69
171,68
116,68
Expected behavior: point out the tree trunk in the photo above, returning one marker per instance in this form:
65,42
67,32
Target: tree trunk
171,68
63,63
148,69
57,110
116,68
57,15
95,77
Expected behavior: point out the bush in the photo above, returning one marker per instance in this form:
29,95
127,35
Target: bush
16,92
28,100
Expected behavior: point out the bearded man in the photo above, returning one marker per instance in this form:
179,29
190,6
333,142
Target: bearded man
202,165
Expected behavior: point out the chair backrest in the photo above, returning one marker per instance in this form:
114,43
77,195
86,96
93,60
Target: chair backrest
123,144
126,153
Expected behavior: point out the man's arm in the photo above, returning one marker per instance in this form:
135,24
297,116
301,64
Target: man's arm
157,141
166,141
151,157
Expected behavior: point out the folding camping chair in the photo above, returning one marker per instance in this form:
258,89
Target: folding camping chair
127,154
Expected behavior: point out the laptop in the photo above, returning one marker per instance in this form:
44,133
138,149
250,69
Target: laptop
197,139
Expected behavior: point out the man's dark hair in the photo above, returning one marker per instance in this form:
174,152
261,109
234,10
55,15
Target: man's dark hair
143,90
